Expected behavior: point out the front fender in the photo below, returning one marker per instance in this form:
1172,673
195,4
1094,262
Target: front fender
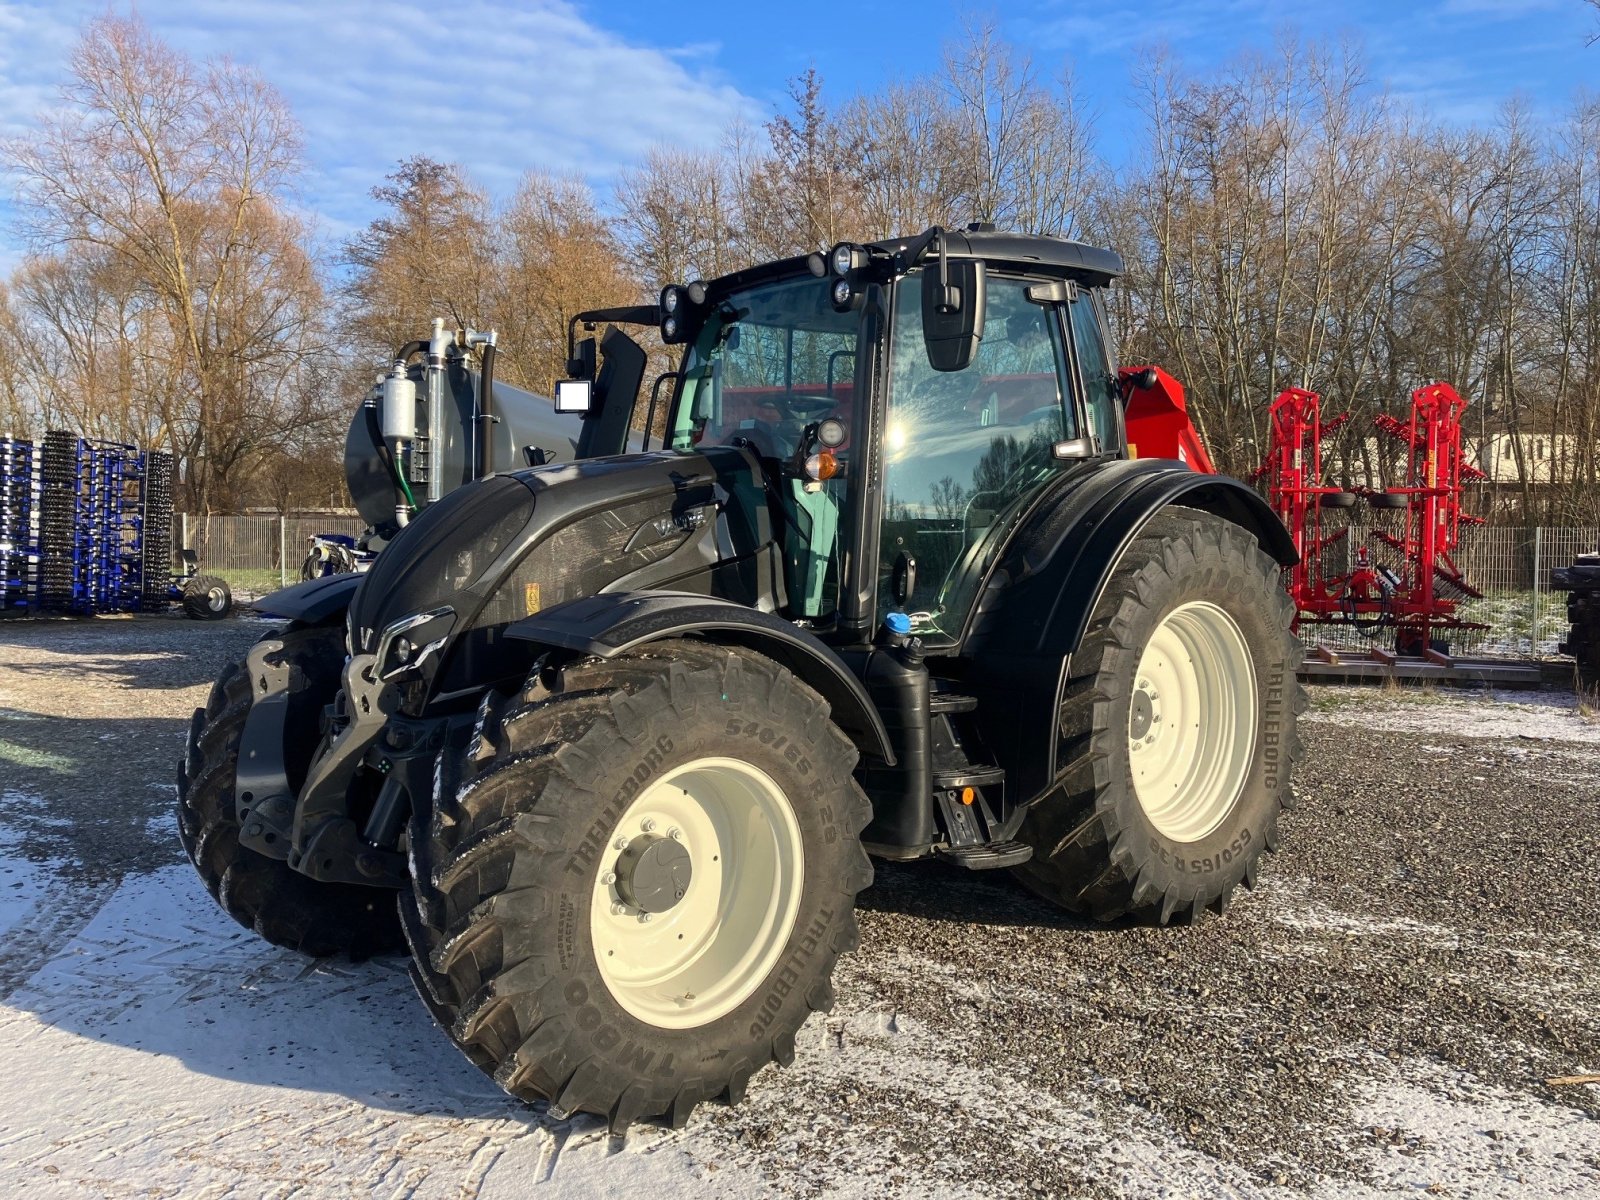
312,602
613,623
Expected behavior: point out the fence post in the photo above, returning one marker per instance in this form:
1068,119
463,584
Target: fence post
283,559
1538,589
183,535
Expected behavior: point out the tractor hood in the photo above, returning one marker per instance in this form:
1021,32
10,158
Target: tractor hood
502,549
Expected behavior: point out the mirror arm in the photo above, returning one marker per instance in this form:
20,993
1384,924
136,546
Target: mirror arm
650,413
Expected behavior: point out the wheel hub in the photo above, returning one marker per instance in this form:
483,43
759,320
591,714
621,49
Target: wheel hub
685,927
1140,715
653,873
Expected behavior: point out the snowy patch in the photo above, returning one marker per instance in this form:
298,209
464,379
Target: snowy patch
1432,1131
1536,716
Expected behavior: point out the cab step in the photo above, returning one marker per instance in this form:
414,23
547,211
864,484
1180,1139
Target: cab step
988,857
952,702
965,777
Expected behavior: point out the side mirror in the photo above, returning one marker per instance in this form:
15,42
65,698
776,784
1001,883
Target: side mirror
537,456
952,312
574,396
582,366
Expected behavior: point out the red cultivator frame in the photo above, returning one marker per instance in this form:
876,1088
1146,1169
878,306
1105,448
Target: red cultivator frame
1409,580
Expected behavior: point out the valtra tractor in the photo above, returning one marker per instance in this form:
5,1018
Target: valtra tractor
606,744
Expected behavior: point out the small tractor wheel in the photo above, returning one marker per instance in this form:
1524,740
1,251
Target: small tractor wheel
285,907
1388,500
636,878
207,598
1177,727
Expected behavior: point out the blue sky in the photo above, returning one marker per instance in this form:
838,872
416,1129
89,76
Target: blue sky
587,86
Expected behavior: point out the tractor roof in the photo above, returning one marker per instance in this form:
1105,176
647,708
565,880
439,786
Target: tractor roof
1027,251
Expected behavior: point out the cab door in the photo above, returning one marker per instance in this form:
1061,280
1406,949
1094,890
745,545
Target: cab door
964,451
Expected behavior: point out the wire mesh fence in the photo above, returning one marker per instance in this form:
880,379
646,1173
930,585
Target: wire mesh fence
1509,565
257,553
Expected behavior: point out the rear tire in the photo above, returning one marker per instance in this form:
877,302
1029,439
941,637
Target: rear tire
525,915
1583,637
1157,821
207,598
285,907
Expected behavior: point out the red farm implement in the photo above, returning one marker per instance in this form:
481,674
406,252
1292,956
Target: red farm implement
1404,576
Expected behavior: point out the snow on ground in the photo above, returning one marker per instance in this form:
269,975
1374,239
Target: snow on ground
180,1056
1535,716
1377,1019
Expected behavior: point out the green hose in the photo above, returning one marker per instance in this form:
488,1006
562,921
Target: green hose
400,474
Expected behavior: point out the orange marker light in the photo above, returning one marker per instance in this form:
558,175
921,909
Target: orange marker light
966,795
822,465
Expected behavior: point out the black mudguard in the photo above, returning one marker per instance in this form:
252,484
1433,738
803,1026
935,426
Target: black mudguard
312,602
1039,596
615,622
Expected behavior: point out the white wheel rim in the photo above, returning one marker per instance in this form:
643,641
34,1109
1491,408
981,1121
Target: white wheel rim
702,957
216,599
1192,721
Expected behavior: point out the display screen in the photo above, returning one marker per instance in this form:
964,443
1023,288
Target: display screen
572,395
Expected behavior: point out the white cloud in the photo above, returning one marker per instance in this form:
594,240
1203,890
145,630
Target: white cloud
500,88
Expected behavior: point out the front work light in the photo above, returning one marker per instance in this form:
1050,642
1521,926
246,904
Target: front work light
843,258
671,297
669,328
841,292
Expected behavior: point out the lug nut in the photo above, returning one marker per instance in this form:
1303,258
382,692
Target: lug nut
608,878
619,910
675,834
620,844
644,918
647,824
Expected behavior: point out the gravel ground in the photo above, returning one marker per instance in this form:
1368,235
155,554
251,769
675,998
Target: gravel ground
1378,1018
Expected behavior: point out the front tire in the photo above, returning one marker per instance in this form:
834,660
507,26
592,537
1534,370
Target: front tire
1177,730
263,894
636,880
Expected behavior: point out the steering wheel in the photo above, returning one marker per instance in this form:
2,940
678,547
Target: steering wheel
808,406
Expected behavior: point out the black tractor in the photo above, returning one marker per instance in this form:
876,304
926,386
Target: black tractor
606,743
1581,582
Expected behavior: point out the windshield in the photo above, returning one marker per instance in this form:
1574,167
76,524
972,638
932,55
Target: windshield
770,362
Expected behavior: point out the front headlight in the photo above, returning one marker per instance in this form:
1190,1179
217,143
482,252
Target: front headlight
411,641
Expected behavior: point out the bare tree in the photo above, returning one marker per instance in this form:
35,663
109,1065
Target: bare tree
429,254
168,172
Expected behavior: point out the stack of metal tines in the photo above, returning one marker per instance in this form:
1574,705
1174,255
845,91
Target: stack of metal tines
19,526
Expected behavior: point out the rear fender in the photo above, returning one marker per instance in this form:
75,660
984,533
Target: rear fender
1037,602
615,622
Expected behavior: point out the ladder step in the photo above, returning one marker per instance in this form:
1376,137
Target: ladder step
988,857
977,777
950,702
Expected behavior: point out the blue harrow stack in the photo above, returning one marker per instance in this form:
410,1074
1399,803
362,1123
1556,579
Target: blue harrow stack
19,524
85,527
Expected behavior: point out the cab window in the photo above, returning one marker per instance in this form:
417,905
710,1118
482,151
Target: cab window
963,450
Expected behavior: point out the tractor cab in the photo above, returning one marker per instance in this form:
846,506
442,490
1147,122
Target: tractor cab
908,401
